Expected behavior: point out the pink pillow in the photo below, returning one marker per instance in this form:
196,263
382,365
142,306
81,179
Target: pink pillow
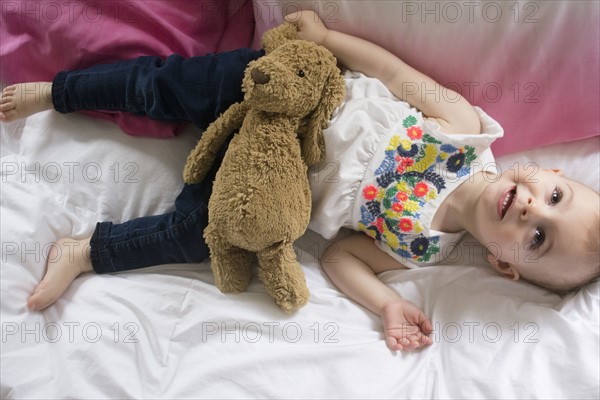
533,66
40,38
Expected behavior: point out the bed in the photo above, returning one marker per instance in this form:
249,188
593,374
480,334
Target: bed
167,332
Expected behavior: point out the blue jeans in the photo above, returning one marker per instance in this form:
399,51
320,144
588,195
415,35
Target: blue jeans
196,89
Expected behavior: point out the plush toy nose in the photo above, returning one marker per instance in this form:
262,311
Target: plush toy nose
259,77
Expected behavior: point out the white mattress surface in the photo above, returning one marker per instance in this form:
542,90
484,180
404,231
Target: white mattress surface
167,332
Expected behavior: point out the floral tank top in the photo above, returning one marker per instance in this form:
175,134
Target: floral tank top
388,170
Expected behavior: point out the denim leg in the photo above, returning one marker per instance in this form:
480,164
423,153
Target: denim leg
195,89
175,237
198,90
171,238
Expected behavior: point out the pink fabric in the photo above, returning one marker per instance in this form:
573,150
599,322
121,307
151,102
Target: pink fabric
40,38
532,65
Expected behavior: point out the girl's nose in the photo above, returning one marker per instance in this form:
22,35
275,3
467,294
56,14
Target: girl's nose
528,208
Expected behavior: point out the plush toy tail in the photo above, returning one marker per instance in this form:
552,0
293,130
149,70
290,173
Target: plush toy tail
275,37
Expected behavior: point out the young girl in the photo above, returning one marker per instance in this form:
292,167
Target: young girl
412,182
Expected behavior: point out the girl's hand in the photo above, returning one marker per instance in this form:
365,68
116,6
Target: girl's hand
405,326
310,26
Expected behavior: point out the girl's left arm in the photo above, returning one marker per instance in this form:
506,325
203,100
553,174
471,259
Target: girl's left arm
352,264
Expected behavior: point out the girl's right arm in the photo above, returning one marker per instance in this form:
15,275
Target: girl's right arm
446,107
352,264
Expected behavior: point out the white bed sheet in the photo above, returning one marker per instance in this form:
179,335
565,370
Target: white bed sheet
169,333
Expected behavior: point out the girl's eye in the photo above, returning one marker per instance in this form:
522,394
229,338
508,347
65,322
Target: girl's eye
556,196
301,74
538,239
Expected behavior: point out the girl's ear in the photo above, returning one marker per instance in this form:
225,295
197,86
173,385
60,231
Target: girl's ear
503,268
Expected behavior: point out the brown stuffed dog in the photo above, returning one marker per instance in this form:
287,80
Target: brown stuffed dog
261,201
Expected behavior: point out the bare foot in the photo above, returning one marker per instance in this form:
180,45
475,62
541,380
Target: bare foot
67,259
25,99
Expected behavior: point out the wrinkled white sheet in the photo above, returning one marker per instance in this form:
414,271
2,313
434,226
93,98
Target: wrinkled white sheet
167,332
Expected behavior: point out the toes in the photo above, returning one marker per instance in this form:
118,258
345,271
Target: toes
9,90
34,296
5,106
33,303
7,95
45,294
36,303
8,115
40,298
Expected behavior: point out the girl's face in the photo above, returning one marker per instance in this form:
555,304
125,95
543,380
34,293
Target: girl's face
538,225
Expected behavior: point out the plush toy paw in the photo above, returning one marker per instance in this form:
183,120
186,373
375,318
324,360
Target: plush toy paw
230,265
191,173
291,298
283,277
230,282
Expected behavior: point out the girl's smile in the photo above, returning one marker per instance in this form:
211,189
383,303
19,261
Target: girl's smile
506,201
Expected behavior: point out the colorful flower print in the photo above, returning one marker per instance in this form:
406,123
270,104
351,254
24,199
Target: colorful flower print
458,159
411,151
405,181
405,225
370,192
421,189
402,196
397,207
419,246
414,132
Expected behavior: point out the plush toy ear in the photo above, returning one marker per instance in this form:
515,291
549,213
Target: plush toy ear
313,143
275,37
